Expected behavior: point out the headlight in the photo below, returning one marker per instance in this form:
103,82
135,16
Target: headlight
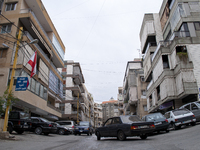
86,129
76,128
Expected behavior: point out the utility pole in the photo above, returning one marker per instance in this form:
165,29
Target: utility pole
12,79
77,108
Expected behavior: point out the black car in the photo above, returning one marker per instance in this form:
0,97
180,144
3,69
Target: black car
160,122
41,125
125,126
62,130
84,127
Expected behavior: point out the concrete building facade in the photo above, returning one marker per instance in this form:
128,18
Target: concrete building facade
45,88
170,42
120,101
97,115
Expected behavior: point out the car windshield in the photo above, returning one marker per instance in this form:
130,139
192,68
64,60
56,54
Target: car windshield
154,117
129,119
180,112
84,123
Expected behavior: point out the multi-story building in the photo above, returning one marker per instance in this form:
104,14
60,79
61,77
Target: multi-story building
120,100
134,89
46,86
97,115
170,42
78,103
109,109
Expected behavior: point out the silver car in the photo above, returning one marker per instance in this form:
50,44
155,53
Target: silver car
194,107
67,123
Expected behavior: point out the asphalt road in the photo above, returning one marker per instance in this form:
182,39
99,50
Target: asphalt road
187,138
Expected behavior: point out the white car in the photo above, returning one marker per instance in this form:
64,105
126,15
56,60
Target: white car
179,117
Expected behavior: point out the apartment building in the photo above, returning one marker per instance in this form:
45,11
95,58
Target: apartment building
170,42
120,101
134,89
109,109
45,88
97,115
78,102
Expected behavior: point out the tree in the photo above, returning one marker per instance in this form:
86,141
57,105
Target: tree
4,100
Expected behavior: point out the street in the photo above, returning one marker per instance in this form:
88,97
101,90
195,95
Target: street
186,138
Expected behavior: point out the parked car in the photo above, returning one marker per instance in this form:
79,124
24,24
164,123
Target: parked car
19,122
194,107
124,126
62,130
160,122
41,125
67,123
83,127
179,117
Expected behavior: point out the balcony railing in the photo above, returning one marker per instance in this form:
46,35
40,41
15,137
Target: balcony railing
56,69
180,34
54,108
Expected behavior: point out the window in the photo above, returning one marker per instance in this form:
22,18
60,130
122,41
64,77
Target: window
41,91
116,121
33,85
158,92
165,61
108,122
1,4
3,53
145,107
6,28
142,79
45,93
11,6
187,107
37,90
194,107
197,25
143,92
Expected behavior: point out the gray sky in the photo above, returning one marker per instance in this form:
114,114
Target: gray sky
102,35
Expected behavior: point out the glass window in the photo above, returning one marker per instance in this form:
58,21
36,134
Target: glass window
45,93
11,6
37,90
187,107
41,91
33,85
197,25
145,107
108,122
194,107
129,119
180,112
116,121
6,28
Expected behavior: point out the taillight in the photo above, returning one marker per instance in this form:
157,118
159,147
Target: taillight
19,123
134,127
176,120
50,125
152,126
166,120
72,126
193,116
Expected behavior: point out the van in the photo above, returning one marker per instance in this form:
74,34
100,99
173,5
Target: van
67,123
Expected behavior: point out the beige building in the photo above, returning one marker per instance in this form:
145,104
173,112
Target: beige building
97,115
46,86
170,42
78,102
120,101
134,90
109,109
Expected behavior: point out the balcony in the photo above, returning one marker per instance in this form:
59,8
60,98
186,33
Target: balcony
54,108
180,34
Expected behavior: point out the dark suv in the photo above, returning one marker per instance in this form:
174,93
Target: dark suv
41,125
84,127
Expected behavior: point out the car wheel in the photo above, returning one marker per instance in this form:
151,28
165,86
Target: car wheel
193,123
174,126
61,132
158,132
121,136
167,131
79,134
98,136
90,133
10,129
75,134
38,130
143,137
46,133
20,132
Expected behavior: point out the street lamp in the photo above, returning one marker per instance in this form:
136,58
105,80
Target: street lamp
13,74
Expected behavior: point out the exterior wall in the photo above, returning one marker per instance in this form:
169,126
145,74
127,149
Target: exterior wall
158,69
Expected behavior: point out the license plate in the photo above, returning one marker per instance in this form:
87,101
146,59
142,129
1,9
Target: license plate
186,121
143,126
158,123
25,126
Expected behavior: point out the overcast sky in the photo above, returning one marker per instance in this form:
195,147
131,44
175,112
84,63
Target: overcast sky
102,35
